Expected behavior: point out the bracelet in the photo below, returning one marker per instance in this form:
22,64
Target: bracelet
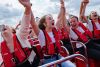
31,4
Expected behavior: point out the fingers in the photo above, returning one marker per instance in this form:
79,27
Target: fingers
61,1
25,3
85,1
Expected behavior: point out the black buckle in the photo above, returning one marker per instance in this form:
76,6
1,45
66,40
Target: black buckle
13,60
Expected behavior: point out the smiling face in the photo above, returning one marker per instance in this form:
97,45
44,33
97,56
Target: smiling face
74,21
94,15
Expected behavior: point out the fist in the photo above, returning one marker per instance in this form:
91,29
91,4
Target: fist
25,3
85,1
61,1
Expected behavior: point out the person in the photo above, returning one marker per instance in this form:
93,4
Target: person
63,28
32,38
13,48
49,39
79,32
93,22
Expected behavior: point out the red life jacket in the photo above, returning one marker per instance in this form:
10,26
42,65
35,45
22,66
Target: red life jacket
96,33
83,37
9,58
50,48
65,34
37,47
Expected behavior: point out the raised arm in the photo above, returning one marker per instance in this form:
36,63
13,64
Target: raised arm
61,21
23,30
34,24
82,10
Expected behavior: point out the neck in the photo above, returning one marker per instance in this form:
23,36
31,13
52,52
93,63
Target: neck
9,38
48,29
74,27
9,41
96,20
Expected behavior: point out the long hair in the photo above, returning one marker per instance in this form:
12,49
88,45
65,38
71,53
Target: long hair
42,22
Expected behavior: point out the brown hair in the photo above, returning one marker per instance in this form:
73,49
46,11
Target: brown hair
13,30
41,23
72,16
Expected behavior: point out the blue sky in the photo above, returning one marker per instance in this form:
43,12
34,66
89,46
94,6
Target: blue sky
11,11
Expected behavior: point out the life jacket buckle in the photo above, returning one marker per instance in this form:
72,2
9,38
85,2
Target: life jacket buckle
13,60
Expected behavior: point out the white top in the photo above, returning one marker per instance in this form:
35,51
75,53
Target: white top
41,38
23,32
97,25
90,26
22,35
74,36
80,29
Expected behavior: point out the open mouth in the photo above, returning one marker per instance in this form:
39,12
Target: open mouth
95,15
52,23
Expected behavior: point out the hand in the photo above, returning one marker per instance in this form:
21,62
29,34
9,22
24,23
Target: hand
25,3
62,1
85,1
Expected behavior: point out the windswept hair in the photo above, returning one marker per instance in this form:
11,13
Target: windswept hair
42,22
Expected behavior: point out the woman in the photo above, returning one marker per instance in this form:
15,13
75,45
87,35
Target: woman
93,22
63,28
49,39
79,32
13,48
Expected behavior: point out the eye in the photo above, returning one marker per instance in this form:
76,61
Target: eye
50,18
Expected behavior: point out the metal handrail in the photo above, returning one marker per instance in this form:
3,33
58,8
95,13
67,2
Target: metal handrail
1,64
85,48
65,59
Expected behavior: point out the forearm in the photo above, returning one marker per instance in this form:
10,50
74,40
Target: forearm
61,16
26,18
24,27
82,12
62,10
27,11
34,25
81,8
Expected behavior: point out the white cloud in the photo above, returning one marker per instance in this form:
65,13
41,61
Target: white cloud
11,11
8,12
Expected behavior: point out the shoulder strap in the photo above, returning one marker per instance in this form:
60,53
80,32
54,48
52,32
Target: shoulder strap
81,36
7,56
87,32
19,51
49,45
